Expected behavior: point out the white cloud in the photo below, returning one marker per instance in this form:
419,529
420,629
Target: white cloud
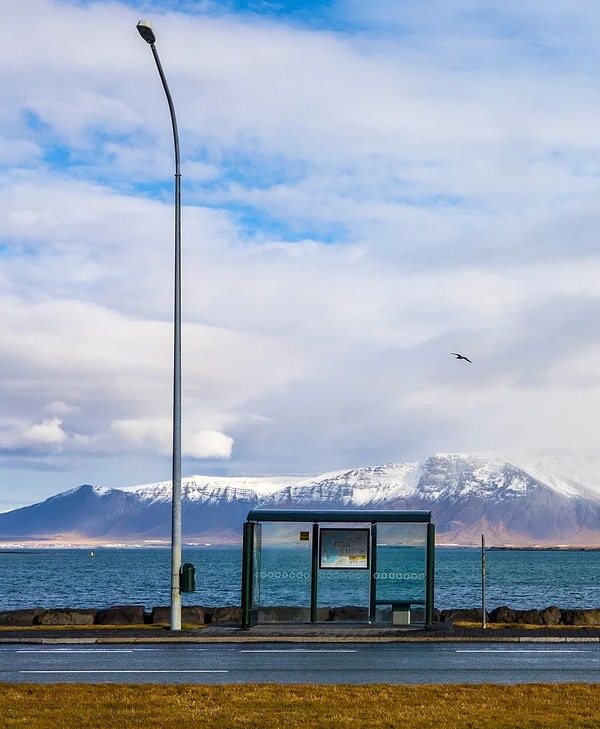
57,407
48,433
154,433
357,204
157,433
208,444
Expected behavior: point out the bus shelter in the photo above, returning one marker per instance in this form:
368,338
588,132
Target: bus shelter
370,566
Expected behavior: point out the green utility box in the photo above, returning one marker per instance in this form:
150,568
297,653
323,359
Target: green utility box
187,578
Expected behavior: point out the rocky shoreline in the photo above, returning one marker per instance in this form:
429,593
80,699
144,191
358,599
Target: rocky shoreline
549,616
197,615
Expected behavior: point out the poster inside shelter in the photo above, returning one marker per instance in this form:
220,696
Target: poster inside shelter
344,549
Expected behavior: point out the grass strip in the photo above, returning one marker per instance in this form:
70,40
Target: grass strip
522,626
270,706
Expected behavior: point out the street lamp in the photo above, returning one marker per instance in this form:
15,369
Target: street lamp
145,30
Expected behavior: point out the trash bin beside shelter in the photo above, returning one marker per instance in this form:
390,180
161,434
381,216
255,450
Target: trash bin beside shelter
187,578
368,566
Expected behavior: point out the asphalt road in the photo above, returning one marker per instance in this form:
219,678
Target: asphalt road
320,663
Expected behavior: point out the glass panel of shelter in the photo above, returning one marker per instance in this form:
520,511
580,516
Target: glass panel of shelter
284,571
344,569
257,568
400,573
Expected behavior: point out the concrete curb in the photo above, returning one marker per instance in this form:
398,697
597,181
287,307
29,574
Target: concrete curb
291,633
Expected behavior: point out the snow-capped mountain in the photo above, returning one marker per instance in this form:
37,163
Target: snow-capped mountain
213,489
524,501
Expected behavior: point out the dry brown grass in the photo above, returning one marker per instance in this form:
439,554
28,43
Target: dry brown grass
269,706
522,626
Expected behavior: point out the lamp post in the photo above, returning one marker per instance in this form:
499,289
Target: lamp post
145,30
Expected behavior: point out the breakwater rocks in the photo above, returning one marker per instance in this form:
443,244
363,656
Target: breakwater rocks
190,615
508,616
117,615
231,614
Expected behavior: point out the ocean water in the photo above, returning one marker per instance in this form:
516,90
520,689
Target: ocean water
115,576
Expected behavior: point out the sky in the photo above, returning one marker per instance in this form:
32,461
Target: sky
366,188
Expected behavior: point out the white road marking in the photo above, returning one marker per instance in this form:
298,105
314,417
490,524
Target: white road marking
297,650
525,650
158,670
74,650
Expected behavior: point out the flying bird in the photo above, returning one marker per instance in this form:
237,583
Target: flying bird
460,356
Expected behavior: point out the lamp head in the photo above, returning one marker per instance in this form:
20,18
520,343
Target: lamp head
145,30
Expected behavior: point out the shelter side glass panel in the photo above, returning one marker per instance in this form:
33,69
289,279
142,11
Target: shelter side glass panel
283,569
256,565
400,576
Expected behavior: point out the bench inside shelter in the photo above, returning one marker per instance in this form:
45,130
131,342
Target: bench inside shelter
401,610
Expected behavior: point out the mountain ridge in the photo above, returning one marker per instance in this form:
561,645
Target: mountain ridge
468,495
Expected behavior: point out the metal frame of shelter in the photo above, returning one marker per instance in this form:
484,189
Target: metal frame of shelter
368,518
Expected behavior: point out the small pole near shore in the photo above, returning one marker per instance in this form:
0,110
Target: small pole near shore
483,616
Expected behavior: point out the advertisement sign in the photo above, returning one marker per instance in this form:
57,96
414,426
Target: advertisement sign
346,549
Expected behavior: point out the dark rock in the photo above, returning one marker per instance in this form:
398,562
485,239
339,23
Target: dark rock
528,617
503,614
508,615
19,618
228,614
121,615
551,615
469,615
581,617
190,615
65,616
